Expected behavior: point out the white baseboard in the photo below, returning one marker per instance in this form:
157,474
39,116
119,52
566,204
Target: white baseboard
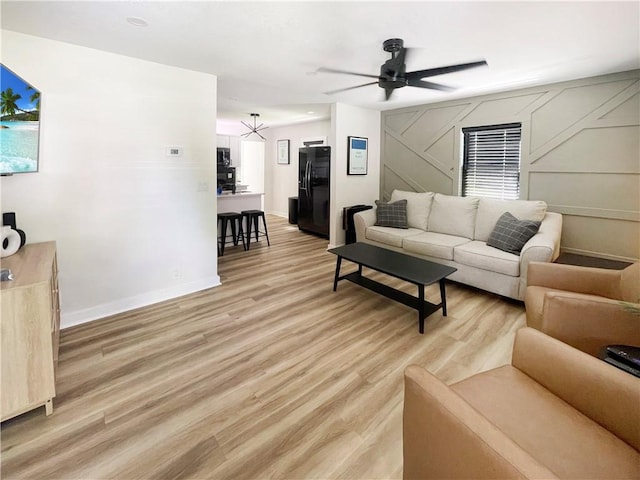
278,214
71,319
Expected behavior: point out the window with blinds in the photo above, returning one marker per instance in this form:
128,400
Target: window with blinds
491,162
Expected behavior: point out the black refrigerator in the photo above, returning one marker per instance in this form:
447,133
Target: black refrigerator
314,168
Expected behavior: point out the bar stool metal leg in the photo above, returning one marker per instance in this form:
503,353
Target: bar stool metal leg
264,223
223,234
240,234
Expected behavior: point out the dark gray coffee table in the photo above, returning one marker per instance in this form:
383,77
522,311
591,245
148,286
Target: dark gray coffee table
405,267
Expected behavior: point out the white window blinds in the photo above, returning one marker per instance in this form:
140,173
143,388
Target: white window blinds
491,163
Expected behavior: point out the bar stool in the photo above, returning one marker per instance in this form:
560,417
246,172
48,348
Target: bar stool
252,216
237,232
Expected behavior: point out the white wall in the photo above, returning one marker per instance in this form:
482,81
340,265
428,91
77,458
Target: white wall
281,181
347,190
232,127
252,165
132,225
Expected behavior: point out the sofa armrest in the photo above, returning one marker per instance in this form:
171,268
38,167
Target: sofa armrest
544,246
589,322
444,437
572,278
362,220
607,395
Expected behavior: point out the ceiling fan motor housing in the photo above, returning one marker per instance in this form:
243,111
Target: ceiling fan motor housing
392,71
393,45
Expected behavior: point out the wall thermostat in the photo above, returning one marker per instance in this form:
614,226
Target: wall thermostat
174,151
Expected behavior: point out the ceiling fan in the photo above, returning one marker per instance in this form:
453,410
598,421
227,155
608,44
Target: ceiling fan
393,72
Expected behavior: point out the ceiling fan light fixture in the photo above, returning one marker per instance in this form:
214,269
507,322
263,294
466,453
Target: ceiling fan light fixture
255,128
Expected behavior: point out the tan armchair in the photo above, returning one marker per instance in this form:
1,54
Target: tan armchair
583,306
555,412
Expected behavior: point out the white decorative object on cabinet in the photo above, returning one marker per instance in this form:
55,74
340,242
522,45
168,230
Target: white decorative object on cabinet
12,239
30,326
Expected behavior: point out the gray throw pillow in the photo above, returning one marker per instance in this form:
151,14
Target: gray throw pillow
392,214
510,234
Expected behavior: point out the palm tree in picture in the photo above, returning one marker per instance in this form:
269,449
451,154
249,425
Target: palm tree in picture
8,99
35,97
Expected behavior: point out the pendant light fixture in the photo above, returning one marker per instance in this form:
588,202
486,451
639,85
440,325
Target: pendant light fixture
255,129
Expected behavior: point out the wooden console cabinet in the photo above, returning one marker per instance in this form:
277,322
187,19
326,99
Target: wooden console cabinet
30,326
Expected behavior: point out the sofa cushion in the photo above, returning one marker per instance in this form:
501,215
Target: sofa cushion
433,244
390,236
510,234
453,215
480,255
391,214
490,210
567,442
418,206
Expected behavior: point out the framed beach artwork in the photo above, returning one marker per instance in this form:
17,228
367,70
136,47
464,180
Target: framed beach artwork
357,156
19,124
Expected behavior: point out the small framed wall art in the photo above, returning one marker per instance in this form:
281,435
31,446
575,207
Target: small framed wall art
283,152
357,156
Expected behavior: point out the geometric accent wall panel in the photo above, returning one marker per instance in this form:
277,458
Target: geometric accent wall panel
500,108
627,110
592,192
398,121
611,149
430,123
393,182
569,106
606,235
412,169
440,151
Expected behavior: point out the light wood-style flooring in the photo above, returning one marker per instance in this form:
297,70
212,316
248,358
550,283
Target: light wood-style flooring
270,375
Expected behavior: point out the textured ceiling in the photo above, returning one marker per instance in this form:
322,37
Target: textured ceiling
266,54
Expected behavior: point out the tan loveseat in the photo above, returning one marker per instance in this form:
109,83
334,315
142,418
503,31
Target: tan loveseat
555,412
588,308
454,230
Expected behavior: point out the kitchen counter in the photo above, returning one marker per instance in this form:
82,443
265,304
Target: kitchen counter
244,194
236,202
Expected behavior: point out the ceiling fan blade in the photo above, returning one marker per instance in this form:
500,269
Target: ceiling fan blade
431,85
431,72
335,70
350,88
247,134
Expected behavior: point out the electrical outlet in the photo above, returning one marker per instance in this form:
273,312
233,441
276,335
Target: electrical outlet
203,186
174,151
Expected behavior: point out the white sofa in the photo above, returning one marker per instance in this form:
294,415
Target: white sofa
454,230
